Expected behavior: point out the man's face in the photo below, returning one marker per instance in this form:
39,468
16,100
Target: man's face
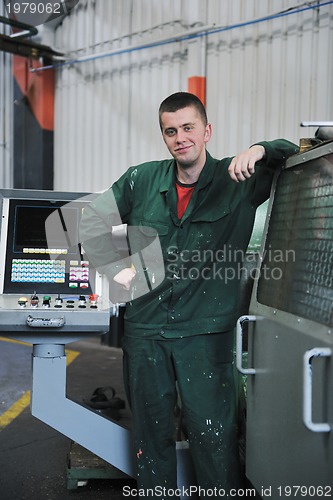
185,136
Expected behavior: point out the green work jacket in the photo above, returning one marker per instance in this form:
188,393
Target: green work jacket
194,288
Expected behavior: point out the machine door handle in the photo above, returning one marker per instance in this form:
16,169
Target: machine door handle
307,388
45,322
239,342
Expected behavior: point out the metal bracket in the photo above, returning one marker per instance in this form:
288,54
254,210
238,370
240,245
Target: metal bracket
307,388
239,341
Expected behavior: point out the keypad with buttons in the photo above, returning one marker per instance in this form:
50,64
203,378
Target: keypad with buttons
38,271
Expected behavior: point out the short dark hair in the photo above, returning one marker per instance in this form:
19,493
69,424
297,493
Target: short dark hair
181,100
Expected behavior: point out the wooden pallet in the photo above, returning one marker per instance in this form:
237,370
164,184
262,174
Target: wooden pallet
83,465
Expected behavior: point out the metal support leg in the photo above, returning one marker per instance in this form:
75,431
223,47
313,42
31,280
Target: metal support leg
98,434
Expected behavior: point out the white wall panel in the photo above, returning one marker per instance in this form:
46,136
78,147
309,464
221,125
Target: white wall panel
263,79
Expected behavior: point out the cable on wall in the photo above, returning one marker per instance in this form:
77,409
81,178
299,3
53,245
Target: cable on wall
189,35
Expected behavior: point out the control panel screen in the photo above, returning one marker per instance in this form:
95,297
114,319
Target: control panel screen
29,227
41,261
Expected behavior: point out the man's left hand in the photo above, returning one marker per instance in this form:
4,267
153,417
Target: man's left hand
242,165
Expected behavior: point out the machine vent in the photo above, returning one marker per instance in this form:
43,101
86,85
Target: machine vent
296,274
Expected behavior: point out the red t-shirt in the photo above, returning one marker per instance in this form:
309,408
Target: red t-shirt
184,193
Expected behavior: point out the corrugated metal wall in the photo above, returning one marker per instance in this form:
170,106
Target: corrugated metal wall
6,113
263,78
269,75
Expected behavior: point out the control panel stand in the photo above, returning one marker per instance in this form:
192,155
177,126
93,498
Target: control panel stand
98,434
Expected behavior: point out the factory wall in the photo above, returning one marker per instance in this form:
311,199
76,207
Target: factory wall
266,66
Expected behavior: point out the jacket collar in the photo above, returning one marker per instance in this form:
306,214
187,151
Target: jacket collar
205,178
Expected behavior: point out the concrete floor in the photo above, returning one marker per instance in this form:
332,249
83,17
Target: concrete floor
33,456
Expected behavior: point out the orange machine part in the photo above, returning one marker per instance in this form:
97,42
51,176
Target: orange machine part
197,85
38,88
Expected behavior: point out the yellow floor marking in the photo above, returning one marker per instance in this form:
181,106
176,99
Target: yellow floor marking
15,410
23,402
4,339
70,355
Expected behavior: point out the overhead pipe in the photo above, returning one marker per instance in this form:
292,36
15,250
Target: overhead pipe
28,30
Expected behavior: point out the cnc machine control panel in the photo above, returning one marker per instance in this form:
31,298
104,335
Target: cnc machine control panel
34,261
46,282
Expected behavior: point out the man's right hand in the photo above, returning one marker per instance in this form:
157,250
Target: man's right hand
125,277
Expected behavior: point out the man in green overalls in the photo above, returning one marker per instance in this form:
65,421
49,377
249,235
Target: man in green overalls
179,335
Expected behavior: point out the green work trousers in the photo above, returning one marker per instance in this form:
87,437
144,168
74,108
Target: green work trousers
203,369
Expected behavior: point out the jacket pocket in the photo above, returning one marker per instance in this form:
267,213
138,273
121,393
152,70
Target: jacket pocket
212,229
213,216
153,229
